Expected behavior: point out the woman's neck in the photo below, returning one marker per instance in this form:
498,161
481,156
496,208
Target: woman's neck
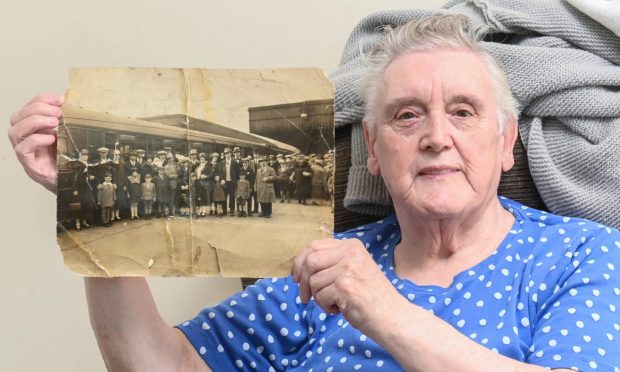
433,251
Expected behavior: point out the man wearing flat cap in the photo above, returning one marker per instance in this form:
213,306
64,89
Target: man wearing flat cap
141,154
160,160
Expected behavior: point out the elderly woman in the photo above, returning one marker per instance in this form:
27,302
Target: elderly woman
457,280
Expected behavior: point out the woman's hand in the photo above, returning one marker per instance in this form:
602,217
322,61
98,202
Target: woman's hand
343,278
33,134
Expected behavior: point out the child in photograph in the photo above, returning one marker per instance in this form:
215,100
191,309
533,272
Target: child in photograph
219,196
161,193
106,196
148,195
242,194
134,192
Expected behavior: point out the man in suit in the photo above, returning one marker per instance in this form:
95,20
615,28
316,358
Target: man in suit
230,173
193,157
237,155
140,156
133,161
160,161
266,195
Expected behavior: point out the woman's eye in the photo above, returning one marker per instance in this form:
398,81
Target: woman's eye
407,115
463,114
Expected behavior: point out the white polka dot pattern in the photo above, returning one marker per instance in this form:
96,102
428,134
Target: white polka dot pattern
548,296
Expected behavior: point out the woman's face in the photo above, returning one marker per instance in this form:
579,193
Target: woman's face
436,139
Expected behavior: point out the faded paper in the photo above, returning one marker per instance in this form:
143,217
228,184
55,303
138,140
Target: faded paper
186,113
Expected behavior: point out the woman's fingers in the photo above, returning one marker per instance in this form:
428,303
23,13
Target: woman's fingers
45,104
35,155
319,255
32,124
50,98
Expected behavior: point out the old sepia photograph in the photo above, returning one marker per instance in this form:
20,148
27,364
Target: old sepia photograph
193,171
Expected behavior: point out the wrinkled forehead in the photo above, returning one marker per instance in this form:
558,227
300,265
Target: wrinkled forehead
436,75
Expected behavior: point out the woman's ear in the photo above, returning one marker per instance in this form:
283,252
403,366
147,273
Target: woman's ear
510,134
370,137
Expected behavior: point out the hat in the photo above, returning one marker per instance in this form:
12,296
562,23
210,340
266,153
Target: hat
108,174
215,155
202,155
140,150
161,152
262,159
244,160
226,150
103,149
147,175
271,157
168,148
133,153
134,169
236,149
193,152
84,152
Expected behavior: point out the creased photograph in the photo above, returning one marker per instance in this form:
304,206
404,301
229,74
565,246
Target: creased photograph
186,172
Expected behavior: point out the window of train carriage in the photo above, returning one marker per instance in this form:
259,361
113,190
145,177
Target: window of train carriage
126,143
78,140
95,139
110,140
172,144
140,143
154,144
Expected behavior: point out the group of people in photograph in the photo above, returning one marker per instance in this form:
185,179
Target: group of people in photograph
161,184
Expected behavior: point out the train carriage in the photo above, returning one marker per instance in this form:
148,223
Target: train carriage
84,129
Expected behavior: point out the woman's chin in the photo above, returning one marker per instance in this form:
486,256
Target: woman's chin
438,207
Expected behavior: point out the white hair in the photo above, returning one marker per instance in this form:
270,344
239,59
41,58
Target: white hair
431,33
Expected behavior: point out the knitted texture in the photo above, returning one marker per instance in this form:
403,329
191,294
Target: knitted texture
563,68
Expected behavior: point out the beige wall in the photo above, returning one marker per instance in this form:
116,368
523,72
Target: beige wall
43,319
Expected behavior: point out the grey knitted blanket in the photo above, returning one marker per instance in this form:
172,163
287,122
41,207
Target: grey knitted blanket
564,71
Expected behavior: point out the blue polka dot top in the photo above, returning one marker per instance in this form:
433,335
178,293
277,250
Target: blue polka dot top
548,295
